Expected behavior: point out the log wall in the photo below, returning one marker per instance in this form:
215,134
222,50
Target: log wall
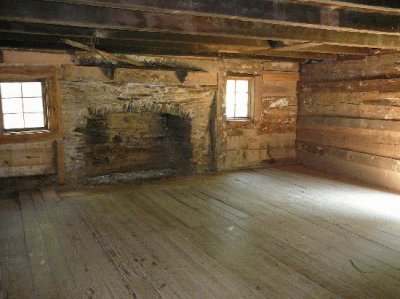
89,93
349,116
269,137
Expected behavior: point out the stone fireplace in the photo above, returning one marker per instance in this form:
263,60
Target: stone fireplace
132,141
119,126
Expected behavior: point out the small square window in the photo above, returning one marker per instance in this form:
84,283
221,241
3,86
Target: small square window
238,98
22,106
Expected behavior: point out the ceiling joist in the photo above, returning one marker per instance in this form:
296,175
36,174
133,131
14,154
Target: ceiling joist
300,12
43,12
300,29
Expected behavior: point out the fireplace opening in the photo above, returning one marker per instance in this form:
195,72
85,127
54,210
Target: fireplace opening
138,141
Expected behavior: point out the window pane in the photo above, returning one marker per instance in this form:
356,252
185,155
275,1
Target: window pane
33,105
242,86
242,111
34,120
13,121
13,105
230,86
242,99
11,90
230,105
31,89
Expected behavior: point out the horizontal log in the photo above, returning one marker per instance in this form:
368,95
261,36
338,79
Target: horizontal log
276,140
356,51
276,128
384,144
81,73
382,85
164,48
368,105
350,156
383,66
281,66
375,6
27,171
165,77
378,171
281,102
282,153
58,31
286,115
279,88
281,76
339,123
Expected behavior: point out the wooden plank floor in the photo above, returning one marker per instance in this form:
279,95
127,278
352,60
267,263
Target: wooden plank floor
273,233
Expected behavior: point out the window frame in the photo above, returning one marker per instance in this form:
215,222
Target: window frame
51,96
45,110
251,94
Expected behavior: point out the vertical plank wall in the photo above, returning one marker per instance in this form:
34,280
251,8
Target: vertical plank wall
349,116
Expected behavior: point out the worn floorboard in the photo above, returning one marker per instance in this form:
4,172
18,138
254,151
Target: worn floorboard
267,233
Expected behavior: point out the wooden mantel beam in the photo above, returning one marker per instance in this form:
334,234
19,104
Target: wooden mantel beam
54,13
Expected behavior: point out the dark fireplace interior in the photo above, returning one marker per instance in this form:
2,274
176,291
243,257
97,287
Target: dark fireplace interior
133,141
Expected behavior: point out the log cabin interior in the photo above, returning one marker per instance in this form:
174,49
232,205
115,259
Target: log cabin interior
199,149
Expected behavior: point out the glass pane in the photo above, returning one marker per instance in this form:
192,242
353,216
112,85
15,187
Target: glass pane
242,111
12,105
242,85
230,86
31,89
11,90
13,121
230,105
33,105
242,99
34,120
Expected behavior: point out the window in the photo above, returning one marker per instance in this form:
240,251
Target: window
238,98
22,106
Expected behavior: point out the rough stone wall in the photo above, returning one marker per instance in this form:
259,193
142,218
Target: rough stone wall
349,119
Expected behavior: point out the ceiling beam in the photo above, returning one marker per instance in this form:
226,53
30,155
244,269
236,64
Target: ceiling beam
294,47
52,13
338,50
151,47
125,35
302,12
367,6
321,48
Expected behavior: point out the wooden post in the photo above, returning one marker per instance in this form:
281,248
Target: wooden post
58,127
60,160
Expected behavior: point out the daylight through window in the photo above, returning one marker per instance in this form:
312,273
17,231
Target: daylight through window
237,98
22,105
